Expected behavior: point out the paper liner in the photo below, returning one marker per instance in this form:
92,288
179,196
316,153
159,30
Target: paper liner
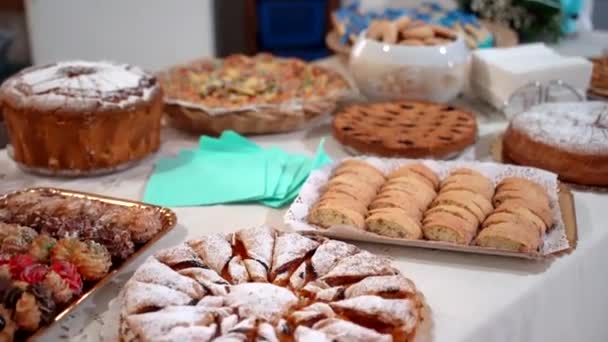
554,241
294,106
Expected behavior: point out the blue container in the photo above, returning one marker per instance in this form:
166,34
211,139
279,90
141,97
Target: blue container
291,23
307,54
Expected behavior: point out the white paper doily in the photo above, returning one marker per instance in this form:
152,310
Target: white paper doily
555,241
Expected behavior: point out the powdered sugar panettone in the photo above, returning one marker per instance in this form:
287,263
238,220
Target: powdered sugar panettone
579,127
77,117
570,139
340,292
80,85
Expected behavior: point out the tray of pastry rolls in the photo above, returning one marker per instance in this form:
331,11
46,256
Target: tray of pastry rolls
475,207
57,247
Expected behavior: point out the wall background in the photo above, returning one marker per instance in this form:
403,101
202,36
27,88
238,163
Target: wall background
150,33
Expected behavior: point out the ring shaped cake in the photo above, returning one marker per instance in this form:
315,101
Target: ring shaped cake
570,139
263,285
81,116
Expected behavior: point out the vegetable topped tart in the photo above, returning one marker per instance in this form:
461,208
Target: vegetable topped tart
240,81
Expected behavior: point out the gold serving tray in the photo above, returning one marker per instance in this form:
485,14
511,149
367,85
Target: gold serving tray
168,219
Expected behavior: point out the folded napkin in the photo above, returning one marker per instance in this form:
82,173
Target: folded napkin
231,169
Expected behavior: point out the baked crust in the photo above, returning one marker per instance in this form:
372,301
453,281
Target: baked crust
406,129
84,126
581,168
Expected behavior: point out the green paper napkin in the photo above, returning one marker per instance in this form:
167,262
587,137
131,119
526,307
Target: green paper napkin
204,178
231,169
321,159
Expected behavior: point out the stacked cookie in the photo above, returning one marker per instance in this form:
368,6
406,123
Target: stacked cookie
346,196
407,31
398,208
463,202
521,218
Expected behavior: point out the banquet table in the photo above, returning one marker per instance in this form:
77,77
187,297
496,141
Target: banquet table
471,297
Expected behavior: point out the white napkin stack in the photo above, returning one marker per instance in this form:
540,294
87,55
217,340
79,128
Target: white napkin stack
498,72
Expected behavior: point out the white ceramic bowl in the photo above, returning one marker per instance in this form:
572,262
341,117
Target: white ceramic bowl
393,72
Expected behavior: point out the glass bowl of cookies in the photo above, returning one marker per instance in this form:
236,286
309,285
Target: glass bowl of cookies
409,60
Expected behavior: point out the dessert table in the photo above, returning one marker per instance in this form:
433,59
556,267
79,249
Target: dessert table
472,297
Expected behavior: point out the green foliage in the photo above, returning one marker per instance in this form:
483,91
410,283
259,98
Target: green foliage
533,20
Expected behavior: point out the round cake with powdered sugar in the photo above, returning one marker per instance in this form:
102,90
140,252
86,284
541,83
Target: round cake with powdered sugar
81,116
570,139
260,284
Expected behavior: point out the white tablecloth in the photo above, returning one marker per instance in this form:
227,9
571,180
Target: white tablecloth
472,297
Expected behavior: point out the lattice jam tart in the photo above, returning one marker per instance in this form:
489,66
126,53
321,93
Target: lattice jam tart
405,129
263,285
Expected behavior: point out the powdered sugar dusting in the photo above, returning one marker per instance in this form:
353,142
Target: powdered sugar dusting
262,300
191,334
342,330
290,247
139,296
259,243
381,284
579,127
329,253
151,325
305,334
181,253
396,312
360,265
153,271
255,309
80,85
214,249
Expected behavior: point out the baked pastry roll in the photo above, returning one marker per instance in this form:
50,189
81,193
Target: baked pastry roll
257,271
390,286
445,226
419,169
473,183
208,278
266,332
454,210
394,225
262,300
338,199
237,272
290,249
215,250
140,297
330,294
509,236
180,257
258,244
473,202
155,272
305,334
329,253
311,314
327,215
417,187
149,326
340,330
356,267
191,334
409,211
377,311
370,175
